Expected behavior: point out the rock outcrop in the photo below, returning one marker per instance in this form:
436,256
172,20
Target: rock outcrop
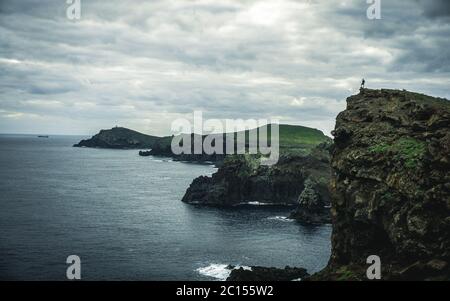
242,180
267,274
391,187
313,204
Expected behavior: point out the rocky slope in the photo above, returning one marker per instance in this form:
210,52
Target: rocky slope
242,180
391,187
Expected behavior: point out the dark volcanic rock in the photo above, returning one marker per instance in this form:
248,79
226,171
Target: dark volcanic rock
119,138
390,187
145,153
267,274
242,180
313,204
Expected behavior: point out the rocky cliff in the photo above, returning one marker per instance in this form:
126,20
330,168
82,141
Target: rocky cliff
242,180
391,187
313,204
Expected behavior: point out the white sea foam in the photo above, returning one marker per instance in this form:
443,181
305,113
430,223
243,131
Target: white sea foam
219,271
216,271
281,218
255,203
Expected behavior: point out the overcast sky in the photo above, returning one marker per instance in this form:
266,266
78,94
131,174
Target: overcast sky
141,64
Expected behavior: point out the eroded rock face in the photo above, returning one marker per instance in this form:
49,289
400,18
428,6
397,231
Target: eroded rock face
313,204
391,186
241,180
267,274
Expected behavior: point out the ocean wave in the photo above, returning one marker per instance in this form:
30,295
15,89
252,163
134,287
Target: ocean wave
280,218
219,271
256,203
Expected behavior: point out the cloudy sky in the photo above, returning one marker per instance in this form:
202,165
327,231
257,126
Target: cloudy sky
141,64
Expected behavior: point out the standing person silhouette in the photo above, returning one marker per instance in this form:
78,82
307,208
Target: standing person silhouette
363,82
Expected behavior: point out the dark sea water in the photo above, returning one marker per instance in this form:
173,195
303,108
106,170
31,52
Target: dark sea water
122,215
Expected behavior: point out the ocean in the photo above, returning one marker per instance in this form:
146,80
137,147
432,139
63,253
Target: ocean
122,215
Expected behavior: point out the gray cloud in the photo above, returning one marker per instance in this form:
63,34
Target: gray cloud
435,8
143,63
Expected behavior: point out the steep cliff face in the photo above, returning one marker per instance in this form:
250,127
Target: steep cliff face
242,180
391,186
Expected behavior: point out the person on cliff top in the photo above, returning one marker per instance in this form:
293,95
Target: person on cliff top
363,82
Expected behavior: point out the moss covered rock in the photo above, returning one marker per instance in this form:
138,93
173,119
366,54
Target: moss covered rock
390,186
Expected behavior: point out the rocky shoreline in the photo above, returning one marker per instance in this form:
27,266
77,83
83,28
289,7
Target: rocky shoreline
313,204
389,194
256,273
242,180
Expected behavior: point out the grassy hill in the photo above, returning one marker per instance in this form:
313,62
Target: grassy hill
292,139
296,138
119,138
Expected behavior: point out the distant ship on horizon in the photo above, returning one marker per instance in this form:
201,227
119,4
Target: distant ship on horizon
43,136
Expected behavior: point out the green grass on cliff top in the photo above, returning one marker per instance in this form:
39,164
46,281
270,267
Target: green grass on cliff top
295,134
290,136
296,138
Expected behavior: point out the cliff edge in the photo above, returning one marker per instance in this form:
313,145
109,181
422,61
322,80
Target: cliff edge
242,180
391,187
